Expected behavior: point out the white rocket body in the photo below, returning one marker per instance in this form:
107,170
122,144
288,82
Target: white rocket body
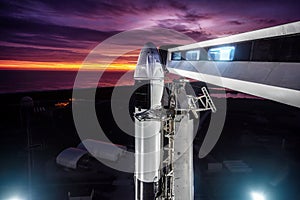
149,80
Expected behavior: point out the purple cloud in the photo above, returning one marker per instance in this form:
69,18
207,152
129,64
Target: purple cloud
72,27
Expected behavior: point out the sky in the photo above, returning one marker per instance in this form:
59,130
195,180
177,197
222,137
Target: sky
58,35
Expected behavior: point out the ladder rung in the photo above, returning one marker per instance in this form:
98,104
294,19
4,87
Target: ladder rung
169,136
171,173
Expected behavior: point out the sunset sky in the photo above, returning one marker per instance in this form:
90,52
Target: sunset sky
52,34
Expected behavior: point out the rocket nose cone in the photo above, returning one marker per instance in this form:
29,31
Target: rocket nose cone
149,48
149,65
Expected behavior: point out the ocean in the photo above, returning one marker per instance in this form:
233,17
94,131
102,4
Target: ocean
13,81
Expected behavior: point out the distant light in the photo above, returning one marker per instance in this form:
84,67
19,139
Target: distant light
258,196
15,198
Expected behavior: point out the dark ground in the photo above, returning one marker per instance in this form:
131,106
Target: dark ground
261,133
